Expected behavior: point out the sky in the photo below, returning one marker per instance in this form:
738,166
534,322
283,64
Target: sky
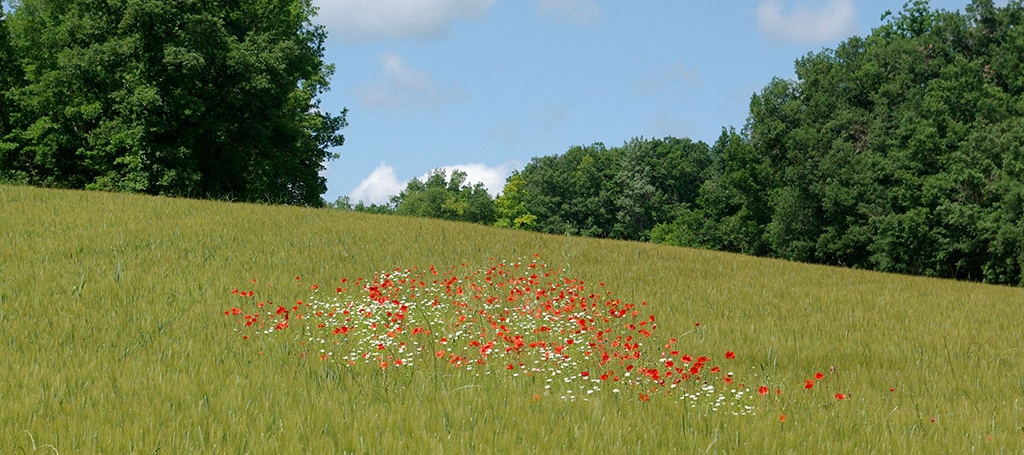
486,85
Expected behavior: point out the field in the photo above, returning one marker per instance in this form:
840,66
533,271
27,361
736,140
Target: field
115,340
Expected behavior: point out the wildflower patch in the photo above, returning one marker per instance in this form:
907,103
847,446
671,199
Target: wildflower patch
513,319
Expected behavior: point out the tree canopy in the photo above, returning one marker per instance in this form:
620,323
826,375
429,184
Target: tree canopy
9,75
619,192
216,98
901,151
452,199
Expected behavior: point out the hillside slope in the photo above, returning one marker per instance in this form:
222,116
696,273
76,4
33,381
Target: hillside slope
114,340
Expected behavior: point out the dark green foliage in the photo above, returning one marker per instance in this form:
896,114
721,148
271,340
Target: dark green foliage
621,193
449,199
570,193
654,178
731,208
561,194
902,151
10,77
892,152
189,98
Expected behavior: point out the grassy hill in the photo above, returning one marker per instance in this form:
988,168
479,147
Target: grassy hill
114,340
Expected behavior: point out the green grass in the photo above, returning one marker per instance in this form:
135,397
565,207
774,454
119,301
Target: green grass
114,341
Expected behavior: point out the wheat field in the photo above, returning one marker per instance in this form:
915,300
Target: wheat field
114,340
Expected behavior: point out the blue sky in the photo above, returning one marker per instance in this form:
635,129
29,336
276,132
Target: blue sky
485,85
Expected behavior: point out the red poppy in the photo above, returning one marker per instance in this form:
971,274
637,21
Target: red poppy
782,417
762,390
819,376
730,355
840,396
809,384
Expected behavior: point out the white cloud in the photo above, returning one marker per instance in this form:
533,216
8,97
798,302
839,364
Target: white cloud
404,87
805,24
358,20
378,187
582,11
383,183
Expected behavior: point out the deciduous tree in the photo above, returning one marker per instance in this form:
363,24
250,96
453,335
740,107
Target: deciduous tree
216,98
446,198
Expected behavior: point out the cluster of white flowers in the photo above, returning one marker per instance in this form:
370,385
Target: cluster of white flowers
731,400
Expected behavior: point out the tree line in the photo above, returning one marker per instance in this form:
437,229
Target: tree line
902,151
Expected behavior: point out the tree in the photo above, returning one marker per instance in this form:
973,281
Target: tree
731,208
510,206
214,98
344,203
619,192
449,199
899,151
571,193
9,79
653,179
636,196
